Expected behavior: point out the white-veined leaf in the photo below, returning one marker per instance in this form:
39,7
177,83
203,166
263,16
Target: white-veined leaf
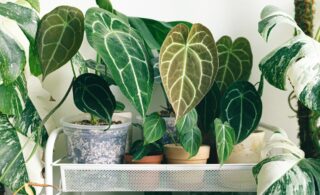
188,66
154,128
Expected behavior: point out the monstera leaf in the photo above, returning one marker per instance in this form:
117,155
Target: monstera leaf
241,107
188,66
189,133
92,94
154,128
124,52
298,60
235,61
225,139
59,37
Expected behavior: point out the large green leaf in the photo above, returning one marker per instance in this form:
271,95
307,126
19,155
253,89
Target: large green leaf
235,61
92,94
12,59
139,149
59,37
189,133
13,97
124,53
188,66
298,60
154,128
225,139
209,109
241,106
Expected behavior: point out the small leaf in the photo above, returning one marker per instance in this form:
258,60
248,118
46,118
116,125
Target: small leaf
154,128
78,61
92,94
59,37
120,106
235,61
35,4
225,139
188,66
241,107
189,133
105,4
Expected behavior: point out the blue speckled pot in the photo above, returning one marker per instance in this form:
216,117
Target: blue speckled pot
94,144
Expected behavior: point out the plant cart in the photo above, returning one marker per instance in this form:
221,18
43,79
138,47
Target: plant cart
128,177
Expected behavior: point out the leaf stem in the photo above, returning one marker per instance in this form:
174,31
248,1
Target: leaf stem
73,70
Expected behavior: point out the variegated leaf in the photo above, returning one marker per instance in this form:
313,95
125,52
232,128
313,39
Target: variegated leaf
154,128
225,139
189,133
59,37
124,52
13,97
235,61
188,66
298,60
241,107
92,94
78,61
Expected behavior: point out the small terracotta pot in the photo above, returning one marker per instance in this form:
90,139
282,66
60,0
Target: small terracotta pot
153,159
249,150
175,154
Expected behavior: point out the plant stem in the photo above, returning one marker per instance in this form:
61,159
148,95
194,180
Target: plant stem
172,138
73,70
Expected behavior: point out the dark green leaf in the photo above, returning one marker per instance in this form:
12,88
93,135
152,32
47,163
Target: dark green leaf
235,61
261,85
120,106
139,150
13,97
92,94
154,128
59,37
124,53
241,106
209,109
105,4
12,59
102,70
189,133
35,4
225,139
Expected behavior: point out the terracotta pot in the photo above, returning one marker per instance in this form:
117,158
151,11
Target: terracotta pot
175,154
153,159
248,151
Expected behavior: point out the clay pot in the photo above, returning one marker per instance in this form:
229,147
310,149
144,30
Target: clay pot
153,159
175,154
249,150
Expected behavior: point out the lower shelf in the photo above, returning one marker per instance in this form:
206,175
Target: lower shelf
127,177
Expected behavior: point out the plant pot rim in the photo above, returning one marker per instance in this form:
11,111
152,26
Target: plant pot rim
154,155
145,158
68,122
179,146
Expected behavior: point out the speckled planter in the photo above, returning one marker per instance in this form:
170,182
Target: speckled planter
94,144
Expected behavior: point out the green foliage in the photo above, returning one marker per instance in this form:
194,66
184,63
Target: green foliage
241,107
35,4
124,52
105,4
188,66
92,94
139,149
59,37
154,128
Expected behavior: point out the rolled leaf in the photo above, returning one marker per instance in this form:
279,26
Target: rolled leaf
154,128
225,139
235,61
189,133
91,94
241,107
59,37
188,66
124,53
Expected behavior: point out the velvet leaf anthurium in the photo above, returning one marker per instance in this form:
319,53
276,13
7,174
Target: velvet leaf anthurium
125,55
298,59
154,128
188,66
59,37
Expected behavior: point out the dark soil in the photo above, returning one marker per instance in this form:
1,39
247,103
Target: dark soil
166,113
98,123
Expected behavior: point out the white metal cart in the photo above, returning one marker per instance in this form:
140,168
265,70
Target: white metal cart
127,177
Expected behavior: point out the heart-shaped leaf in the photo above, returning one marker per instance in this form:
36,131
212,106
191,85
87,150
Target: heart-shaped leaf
92,94
235,61
188,66
59,37
124,53
154,127
189,133
241,107
225,139
209,109
12,59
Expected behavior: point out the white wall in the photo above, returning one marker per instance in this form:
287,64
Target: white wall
223,17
